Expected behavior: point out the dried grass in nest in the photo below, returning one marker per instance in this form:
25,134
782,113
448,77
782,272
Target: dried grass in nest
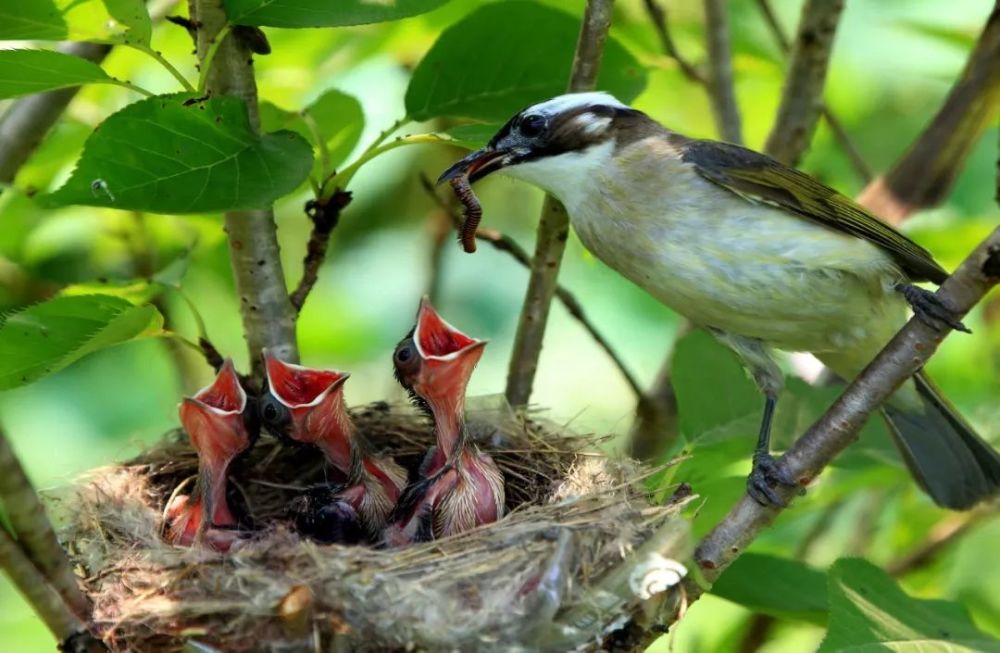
555,574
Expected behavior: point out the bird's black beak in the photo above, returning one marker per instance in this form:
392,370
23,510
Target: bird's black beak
477,165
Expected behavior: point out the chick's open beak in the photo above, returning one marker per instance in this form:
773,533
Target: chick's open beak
477,165
312,397
448,355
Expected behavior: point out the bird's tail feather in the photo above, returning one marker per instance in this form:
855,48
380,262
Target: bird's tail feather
954,465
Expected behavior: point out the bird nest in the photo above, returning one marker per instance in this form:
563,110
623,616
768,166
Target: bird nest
581,560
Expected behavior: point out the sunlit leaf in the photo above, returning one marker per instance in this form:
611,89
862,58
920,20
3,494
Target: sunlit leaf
23,72
776,586
505,56
172,154
868,607
334,120
473,136
47,337
323,13
105,21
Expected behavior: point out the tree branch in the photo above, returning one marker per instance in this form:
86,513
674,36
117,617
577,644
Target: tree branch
720,78
68,629
35,533
504,243
802,96
28,120
902,357
267,312
941,537
325,214
553,227
658,16
924,175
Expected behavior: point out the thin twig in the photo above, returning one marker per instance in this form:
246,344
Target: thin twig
265,308
656,427
924,175
658,16
553,227
35,533
504,243
324,215
68,629
942,536
906,353
802,95
720,78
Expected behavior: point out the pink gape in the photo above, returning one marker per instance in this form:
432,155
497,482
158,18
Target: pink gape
307,405
461,487
213,420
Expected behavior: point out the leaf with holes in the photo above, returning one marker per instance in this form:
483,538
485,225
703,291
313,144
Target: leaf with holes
179,154
505,56
47,337
323,13
23,72
102,21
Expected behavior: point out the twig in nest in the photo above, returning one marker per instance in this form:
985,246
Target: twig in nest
472,215
324,215
505,243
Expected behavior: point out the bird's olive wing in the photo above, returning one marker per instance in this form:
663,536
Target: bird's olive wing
759,178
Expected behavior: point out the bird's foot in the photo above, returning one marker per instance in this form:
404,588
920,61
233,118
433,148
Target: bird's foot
767,473
929,308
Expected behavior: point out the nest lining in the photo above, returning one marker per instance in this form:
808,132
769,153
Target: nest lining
536,580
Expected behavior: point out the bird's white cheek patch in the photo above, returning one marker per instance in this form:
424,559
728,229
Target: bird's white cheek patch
591,124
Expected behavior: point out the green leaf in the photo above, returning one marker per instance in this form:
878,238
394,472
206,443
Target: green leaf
474,135
104,21
715,398
323,13
776,586
867,607
335,121
505,56
23,72
172,154
47,337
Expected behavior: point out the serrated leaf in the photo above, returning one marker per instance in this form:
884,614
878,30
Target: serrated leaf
507,55
775,586
171,154
23,72
104,21
334,120
47,337
323,13
867,608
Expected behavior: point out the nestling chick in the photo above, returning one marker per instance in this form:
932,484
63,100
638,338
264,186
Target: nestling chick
460,487
219,429
307,405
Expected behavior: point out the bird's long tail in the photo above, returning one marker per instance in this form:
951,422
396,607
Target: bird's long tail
955,466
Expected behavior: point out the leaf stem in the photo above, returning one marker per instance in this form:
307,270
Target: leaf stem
132,87
166,64
343,178
206,63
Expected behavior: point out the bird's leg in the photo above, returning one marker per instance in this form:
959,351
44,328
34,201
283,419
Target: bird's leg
927,306
766,471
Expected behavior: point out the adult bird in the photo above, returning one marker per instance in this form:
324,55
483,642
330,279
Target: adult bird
216,421
761,255
307,405
460,486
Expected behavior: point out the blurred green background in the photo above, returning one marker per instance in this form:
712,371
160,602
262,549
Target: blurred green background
893,63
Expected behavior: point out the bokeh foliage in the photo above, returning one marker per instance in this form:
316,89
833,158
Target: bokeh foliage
337,89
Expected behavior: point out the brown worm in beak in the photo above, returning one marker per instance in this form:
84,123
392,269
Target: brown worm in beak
473,212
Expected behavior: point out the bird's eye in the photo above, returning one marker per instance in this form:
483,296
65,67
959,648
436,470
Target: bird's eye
272,412
532,125
405,356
